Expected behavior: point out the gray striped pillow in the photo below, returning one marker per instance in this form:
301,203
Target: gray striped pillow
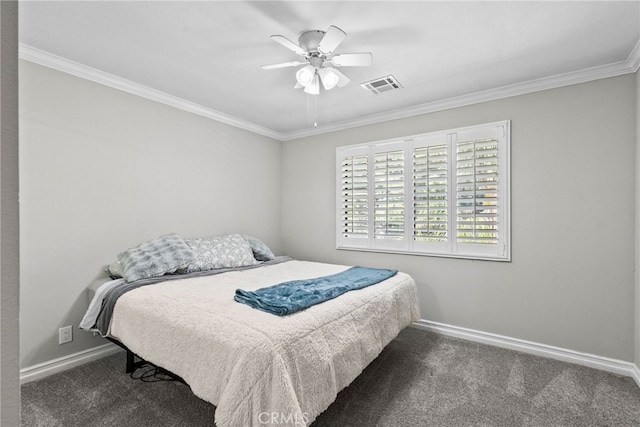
154,258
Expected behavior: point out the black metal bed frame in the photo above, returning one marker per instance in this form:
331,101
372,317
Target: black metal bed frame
133,364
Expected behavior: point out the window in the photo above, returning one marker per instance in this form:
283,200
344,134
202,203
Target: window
443,193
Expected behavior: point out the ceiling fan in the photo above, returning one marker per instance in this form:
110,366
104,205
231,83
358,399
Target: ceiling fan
317,47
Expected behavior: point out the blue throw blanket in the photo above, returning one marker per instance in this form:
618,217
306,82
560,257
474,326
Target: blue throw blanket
290,297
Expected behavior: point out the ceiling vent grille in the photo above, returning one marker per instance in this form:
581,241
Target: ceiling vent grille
383,84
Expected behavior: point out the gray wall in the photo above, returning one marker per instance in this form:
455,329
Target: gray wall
571,281
101,171
637,299
9,217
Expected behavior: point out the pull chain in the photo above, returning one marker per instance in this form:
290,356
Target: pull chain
315,111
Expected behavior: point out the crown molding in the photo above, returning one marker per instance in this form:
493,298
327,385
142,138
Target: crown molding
630,65
633,60
59,63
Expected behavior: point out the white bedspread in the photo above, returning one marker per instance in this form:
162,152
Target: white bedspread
255,367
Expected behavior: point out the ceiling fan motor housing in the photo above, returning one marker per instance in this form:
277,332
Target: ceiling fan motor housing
309,40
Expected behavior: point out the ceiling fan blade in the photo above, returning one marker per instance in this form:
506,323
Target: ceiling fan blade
289,44
282,65
331,39
352,59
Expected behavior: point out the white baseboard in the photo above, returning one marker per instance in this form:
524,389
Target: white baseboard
60,364
598,362
636,374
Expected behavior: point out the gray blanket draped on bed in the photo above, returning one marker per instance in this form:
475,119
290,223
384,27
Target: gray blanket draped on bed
104,318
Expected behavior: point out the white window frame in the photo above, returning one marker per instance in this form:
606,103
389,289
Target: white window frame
499,248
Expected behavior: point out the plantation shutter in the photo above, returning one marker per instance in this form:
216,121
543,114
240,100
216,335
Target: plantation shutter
442,193
389,195
354,209
478,204
431,192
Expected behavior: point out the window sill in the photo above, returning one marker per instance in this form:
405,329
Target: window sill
478,257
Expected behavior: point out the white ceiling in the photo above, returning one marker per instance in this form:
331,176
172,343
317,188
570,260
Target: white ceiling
209,54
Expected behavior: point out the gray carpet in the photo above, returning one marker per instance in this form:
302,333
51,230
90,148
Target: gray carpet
420,379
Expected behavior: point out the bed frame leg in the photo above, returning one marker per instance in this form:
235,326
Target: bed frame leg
130,362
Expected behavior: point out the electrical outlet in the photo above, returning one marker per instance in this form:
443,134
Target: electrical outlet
65,334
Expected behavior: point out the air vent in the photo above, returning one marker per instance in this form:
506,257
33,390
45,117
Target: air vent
383,84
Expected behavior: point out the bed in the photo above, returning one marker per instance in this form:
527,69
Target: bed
255,367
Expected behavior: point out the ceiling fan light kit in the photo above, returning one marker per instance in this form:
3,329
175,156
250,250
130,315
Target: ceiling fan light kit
313,88
305,75
329,78
317,46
